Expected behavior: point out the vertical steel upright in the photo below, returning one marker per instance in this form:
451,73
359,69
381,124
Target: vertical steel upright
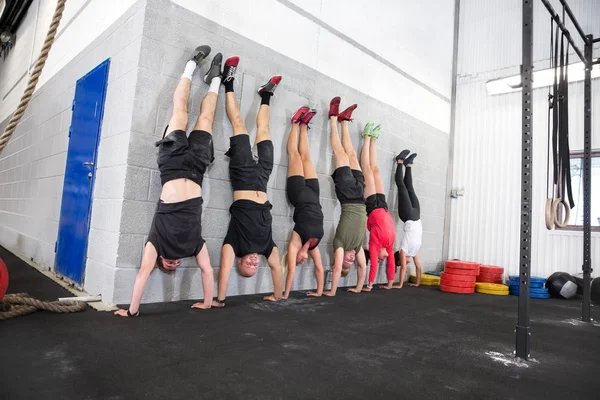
523,333
587,170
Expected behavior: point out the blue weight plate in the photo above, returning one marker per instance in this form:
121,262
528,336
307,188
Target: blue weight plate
515,278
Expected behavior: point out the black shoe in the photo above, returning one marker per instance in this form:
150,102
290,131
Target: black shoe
215,68
230,67
410,159
270,86
200,54
402,155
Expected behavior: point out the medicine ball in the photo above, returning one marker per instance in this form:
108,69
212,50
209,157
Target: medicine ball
596,291
561,285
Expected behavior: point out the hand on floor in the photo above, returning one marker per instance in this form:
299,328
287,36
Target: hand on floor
328,293
355,290
366,289
397,286
121,313
217,304
313,294
270,298
201,306
413,285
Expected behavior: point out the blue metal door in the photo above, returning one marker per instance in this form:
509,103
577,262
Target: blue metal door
75,211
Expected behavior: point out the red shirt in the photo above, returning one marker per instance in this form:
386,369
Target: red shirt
383,234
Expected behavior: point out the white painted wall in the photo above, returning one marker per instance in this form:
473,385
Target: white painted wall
82,22
487,157
416,37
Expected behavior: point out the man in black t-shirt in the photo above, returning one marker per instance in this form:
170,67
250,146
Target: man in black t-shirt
250,232
176,230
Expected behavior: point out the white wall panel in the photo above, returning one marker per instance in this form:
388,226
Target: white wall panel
415,37
487,159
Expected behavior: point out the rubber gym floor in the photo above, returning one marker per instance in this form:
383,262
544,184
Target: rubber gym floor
411,343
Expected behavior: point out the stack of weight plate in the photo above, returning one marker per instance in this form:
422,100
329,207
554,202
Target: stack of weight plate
426,280
490,274
536,287
491,288
459,277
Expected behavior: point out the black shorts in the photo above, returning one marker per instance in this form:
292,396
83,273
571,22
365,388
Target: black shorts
183,157
300,190
375,201
244,172
349,185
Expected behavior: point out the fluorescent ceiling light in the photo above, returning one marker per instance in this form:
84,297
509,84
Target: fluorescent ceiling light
541,78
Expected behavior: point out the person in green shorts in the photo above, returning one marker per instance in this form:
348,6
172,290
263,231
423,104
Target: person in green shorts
350,191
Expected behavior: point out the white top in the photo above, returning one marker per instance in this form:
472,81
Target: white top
413,234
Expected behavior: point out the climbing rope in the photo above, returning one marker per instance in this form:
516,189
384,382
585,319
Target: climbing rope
18,304
35,75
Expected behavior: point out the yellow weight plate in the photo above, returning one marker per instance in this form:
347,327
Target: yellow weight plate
490,286
493,292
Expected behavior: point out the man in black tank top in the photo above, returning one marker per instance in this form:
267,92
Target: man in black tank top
250,232
303,193
176,230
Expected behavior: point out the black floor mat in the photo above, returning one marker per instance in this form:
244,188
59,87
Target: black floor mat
412,343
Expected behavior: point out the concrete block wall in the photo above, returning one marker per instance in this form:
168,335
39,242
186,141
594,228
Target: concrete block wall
32,165
170,33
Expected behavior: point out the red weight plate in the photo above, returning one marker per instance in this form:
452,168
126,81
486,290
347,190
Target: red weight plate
459,271
461,264
452,289
490,269
460,284
490,276
3,279
454,277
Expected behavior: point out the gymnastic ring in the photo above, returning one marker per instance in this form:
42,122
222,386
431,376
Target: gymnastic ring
565,221
549,215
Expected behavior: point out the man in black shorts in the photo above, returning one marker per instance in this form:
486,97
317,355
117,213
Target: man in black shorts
250,232
303,192
176,230
350,191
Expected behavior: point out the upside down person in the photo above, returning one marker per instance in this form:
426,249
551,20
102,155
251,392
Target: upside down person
303,193
350,190
250,233
409,212
176,230
379,222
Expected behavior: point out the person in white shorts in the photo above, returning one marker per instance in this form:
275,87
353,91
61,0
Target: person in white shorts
409,212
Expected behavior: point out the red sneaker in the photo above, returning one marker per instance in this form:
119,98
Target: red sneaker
346,115
230,67
270,86
308,116
334,107
297,117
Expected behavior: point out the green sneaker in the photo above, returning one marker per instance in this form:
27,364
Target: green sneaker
368,129
376,131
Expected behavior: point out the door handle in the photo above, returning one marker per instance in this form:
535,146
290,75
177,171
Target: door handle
89,163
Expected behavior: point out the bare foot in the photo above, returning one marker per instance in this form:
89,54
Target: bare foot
355,290
328,293
413,285
314,294
386,287
201,306
284,296
397,286
367,289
